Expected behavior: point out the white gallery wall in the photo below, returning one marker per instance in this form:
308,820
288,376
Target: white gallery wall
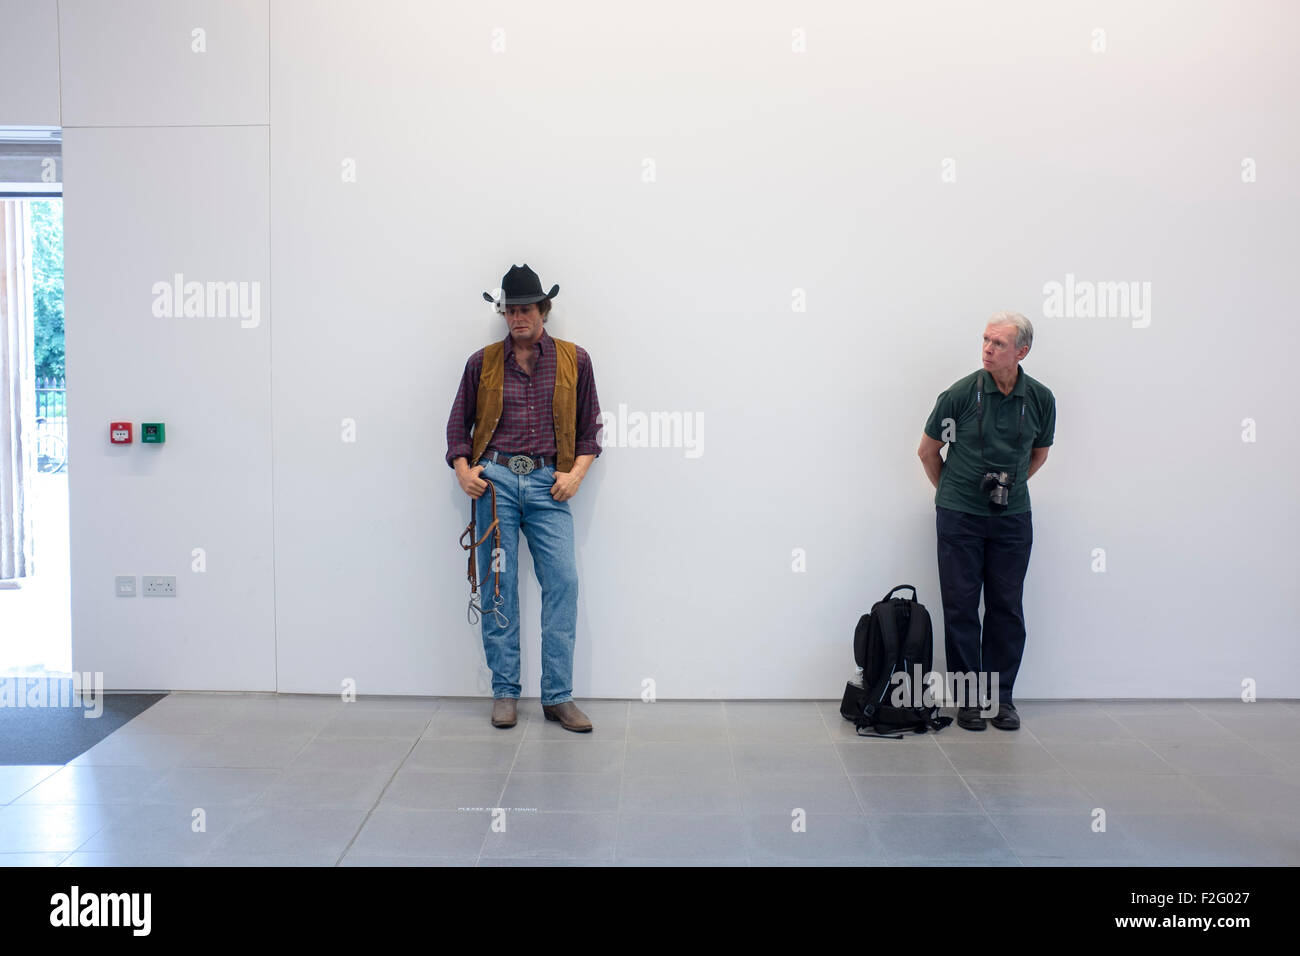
787,222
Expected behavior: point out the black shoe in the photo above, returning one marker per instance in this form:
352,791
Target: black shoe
1007,718
969,718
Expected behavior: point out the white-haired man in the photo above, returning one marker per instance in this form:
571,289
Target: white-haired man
998,424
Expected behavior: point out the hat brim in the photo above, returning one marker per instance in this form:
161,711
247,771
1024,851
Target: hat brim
525,299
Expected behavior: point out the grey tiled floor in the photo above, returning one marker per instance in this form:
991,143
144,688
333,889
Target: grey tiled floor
208,779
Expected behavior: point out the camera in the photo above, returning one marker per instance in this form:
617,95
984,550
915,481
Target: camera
997,485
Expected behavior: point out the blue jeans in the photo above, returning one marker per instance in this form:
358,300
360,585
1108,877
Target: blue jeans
990,553
524,501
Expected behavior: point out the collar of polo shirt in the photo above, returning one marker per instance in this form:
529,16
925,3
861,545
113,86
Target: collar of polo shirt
991,386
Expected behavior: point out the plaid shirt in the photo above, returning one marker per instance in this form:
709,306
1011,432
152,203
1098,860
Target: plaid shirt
527,424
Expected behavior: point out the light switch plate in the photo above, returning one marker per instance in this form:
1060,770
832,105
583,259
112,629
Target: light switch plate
125,585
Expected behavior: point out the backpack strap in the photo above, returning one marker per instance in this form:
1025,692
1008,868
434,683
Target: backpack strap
908,646
933,721
899,588
917,632
881,736
884,612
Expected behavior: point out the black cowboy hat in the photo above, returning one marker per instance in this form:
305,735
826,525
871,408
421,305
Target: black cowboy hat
520,286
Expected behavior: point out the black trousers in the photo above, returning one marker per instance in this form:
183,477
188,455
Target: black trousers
989,552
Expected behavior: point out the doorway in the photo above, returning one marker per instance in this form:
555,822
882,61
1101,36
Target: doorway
35,593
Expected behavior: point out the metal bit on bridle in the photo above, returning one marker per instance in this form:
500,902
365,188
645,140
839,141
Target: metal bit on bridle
475,611
474,614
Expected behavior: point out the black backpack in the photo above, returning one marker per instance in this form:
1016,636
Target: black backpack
895,637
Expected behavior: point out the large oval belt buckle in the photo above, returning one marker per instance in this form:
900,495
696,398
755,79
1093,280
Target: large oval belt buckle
520,464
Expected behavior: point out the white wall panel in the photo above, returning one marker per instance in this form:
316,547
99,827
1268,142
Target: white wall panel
29,63
164,62
140,207
485,135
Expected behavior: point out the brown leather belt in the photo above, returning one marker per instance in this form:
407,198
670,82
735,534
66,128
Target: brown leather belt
519,464
494,529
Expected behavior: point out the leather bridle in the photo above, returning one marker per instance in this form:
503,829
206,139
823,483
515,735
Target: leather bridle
494,529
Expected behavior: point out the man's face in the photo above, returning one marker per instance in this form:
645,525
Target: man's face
525,322
1000,352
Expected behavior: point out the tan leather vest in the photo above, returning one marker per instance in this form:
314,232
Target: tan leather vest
564,405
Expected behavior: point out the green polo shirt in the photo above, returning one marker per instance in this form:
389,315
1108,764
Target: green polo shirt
959,482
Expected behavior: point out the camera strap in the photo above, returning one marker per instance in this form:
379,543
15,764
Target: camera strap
979,402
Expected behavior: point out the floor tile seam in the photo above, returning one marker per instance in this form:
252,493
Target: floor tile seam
111,819
1156,754
983,809
1078,782
501,796
1057,760
36,784
1215,803
1020,859
1214,800
391,776
622,772
862,808
735,775
1127,839
1240,737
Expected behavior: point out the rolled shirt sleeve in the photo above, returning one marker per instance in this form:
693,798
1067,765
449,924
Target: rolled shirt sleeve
463,409
588,427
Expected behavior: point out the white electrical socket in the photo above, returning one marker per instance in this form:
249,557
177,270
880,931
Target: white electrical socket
158,586
125,585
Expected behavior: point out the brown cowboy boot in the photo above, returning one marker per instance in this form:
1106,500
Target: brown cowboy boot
503,712
568,715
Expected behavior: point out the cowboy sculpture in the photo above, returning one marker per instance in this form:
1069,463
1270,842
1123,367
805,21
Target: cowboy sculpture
525,419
